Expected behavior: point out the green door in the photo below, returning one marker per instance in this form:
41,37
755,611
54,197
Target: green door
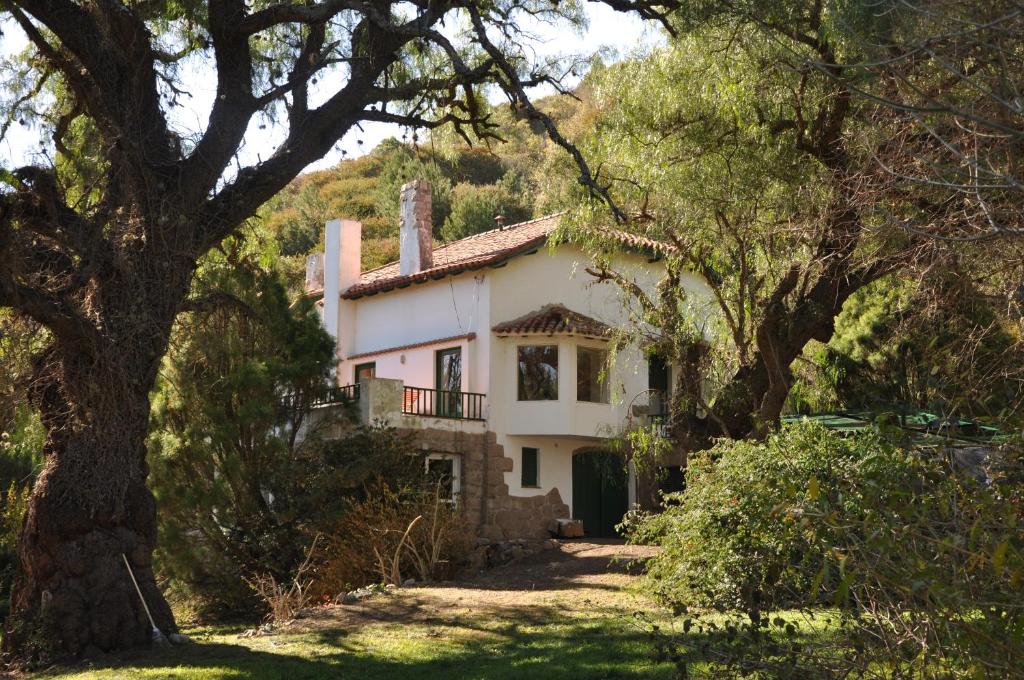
599,492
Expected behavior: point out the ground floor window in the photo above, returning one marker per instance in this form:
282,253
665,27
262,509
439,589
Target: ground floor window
530,463
446,469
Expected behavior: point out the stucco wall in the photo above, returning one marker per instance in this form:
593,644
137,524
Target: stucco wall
474,302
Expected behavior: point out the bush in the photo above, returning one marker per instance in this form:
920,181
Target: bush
728,542
919,552
393,534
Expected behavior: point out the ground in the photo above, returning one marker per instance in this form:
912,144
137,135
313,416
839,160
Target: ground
564,613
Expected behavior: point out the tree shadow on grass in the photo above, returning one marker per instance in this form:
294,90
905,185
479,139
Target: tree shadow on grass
546,645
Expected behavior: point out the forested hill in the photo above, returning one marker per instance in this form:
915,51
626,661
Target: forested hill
518,178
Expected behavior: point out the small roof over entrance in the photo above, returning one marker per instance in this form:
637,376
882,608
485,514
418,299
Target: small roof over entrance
554,319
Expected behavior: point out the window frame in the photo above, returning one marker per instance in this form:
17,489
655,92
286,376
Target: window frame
357,367
603,386
456,459
519,375
536,467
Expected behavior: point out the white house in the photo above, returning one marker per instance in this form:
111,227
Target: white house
494,351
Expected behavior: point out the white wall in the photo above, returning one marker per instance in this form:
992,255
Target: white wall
474,302
554,469
421,313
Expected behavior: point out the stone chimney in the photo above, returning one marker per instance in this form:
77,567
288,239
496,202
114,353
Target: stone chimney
416,242
343,249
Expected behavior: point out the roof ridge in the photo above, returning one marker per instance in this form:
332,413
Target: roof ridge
508,228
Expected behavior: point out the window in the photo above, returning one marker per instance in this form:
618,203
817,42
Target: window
445,469
591,385
530,464
365,371
448,381
658,381
538,372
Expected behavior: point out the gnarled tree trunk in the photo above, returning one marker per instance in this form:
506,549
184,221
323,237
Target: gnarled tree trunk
90,507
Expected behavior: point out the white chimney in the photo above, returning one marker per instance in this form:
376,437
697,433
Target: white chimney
416,243
342,252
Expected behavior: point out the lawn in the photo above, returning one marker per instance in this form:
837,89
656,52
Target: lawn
565,616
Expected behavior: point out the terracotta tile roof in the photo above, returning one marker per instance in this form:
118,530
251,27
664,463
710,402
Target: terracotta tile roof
475,252
486,249
552,319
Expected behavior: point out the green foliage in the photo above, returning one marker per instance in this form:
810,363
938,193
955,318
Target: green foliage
474,208
938,344
232,397
921,552
471,185
727,542
21,457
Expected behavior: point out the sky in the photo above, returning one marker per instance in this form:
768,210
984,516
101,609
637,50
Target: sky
613,32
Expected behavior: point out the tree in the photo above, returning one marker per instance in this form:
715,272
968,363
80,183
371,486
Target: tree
102,253
947,78
235,390
752,170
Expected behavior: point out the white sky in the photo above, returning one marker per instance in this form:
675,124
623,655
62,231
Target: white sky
608,30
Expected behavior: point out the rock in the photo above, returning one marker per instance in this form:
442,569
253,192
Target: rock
483,541
408,582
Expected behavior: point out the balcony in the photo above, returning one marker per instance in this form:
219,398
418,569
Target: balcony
398,405
423,401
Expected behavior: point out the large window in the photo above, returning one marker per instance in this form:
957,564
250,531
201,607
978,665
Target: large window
591,381
538,372
529,477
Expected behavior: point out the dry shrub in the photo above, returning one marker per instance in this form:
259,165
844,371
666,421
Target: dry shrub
392,535
285,599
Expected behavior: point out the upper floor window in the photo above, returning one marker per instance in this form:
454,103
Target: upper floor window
591,383
367,370
538,372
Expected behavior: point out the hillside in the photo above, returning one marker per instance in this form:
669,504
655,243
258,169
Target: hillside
519,178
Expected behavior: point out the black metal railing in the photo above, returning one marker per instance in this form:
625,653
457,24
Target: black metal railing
341,394
659,421
423,401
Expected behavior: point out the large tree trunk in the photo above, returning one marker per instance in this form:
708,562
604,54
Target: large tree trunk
90,507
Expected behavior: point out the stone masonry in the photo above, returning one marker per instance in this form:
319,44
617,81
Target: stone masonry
494,514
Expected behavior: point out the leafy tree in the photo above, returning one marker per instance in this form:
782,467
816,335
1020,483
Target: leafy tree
474,208
102,252
939,343
233,397
243,477
752,171
945,80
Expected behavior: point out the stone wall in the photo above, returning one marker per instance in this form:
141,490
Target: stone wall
490,510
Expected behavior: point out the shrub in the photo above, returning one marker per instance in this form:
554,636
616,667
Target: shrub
729,544
390,535
919,552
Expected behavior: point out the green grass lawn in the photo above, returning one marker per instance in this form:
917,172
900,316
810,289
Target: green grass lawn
589,632
564,617
556,648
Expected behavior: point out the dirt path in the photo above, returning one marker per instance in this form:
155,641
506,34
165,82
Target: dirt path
592,574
